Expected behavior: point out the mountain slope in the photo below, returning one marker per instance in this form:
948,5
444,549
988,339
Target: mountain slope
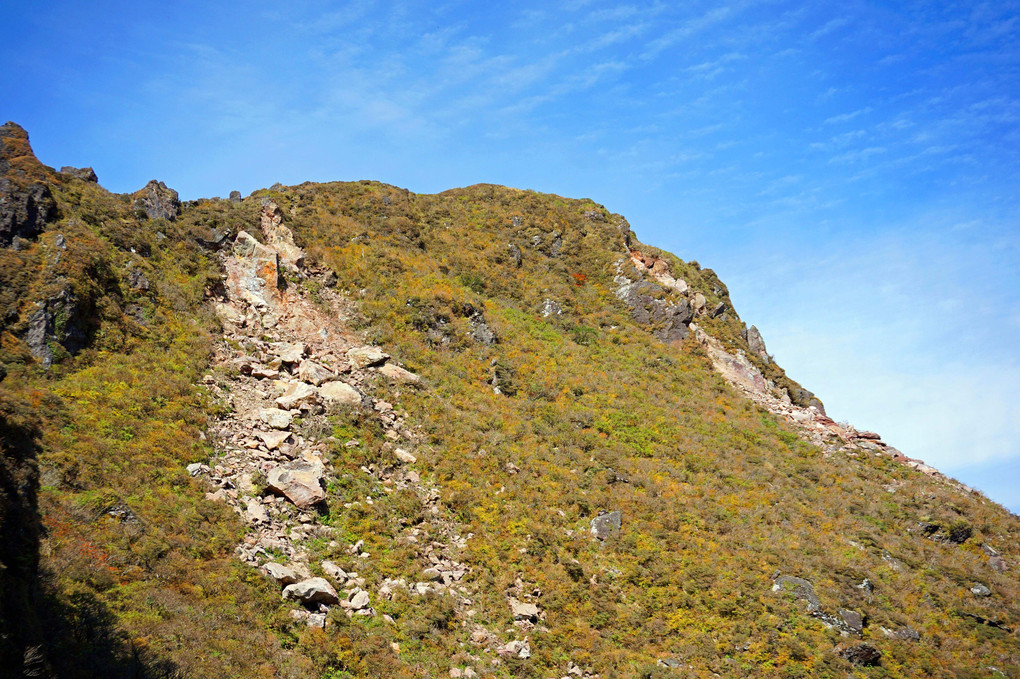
570,377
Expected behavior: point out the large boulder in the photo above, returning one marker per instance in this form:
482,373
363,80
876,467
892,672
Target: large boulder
649,306
607,525
26,203
158,201
312,591
363,357
756,343
276,418
85,174
253,273
341,393
862,655
279,236
299,481
800,588
298,394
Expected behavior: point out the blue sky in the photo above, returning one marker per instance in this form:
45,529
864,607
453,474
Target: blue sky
849,169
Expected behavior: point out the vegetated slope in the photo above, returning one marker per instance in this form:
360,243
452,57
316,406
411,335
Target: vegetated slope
549,397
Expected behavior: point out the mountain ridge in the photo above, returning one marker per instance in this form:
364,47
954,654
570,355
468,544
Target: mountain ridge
542,417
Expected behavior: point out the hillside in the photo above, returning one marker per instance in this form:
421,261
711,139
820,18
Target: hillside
347,430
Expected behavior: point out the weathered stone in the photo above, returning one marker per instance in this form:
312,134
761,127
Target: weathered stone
281,574
235,196
298,394
364,357
524,611
62,319
314,373
340,392
280,237
398,374
255,513
862,655
253,274
335,572
699,302
671,663
903,634
404,456
521,649
800,588
273,439
665,319
276,418
852,621
158,202
607,525
229,314
85,174
980,590
359,600
26,203
137,280
299,481
756,343
312,591
291,353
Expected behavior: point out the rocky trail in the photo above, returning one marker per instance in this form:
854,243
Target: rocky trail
283,365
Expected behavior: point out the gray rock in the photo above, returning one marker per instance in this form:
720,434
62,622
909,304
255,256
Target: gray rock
980,590
85,174
800,588
852,621
756,343
607,525
235,196
335,572
312,591
483,334
902,634
364,357
137,280
273,439
862,655
666,319
276,418
26,203
515,255
359,600
340,392
524,611
671,663
314,373
61,320
291,353
158,202
718,310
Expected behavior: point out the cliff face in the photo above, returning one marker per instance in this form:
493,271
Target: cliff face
347,430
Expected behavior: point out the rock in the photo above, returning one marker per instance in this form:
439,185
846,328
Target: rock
280,237
276,418
483,334
196,468
235,196
158,202
291,354
317,620
606,526
364,357
431,575
314,373
61,319
340,392
398,374
524,611
283,575
718,310
699,302
852,621
229,314
998,564
359,600
255,512
862,655
299,481
26,203
800,588
312,591
551,308
404,456
85,174
980,590
213,237
298,394
671,663
756,344
273,439
515,255
805,399
520,649
902,634
665,319
335,572
253,273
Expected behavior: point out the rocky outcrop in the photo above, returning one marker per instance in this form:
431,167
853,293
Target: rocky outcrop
85,174
279,237
26,203
607,525
157,201
299,481
57,323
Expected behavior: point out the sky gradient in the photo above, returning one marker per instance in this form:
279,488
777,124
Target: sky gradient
850,170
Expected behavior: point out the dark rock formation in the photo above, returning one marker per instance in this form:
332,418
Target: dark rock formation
158,202
59,320
605,526
862,655
26,203
667,320
85,174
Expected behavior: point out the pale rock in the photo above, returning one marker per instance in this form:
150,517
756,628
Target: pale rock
299,481
263,373
281,574
273,439
699,302
521,649
607,525
196,468
340,392
312,591
398,374
253,273
229,314
279,236
524,611
404,456
291,353
335,572
364,357
276,418
360,600
298,394
314,373
255,512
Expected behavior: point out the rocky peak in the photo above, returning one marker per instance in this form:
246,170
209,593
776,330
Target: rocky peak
158,201
25,199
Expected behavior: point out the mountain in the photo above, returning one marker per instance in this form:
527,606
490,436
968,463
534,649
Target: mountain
347,430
